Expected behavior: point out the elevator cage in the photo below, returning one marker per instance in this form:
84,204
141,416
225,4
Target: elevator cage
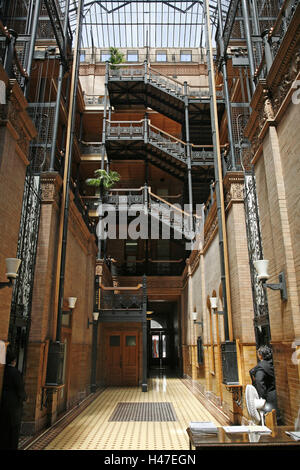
229,363
55,366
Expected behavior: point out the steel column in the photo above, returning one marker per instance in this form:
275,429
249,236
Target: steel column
65,201
32,42
249,42
188,149
62,69
144,333
218,181
226,91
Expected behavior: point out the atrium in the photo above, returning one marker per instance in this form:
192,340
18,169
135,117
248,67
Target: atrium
149,184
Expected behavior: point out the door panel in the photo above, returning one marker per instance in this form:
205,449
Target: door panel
130,359
122,358
113,358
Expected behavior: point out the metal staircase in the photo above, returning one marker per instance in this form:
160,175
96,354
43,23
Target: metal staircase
141,85
179,220
142,137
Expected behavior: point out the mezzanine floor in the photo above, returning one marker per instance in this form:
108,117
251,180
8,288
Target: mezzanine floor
90,427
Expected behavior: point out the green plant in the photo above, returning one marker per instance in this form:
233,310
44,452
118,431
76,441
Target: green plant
116,57
103,180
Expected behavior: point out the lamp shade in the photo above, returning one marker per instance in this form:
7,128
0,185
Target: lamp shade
95,316
12,266
214,302
195,316
72,302
261,267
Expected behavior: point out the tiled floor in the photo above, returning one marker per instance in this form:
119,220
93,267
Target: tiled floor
92,430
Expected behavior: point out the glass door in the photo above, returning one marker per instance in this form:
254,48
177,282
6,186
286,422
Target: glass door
159,354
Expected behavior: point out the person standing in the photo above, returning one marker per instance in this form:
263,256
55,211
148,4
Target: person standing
13,396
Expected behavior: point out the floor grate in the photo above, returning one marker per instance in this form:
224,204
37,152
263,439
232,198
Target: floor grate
154,411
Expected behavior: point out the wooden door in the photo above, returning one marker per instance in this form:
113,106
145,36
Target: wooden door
122,358
114,358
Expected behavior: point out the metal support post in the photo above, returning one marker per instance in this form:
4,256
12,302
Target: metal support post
94,356
249,43
62,70
104,115
144,328
33,32
64,214
218,181
226,91
10,52
188,150
267,49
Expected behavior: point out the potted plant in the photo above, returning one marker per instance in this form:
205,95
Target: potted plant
103,181
116,57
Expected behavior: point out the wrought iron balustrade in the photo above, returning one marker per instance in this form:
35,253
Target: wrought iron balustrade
125,129
279,29
153,268
90,148
164,82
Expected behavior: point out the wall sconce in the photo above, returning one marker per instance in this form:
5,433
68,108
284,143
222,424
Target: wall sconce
95,319
195,316
214,305
71,305
12,266
261,267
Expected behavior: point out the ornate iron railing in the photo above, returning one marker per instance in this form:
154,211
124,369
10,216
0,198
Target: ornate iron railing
255,250
156,78
20,316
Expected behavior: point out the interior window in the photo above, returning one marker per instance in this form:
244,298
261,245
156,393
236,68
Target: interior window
161,56
185,56
132,56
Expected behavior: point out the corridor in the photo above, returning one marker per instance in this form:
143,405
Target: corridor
94,428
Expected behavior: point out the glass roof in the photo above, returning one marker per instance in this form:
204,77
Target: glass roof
141,23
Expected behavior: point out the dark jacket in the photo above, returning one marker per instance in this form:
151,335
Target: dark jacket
263,379
13,396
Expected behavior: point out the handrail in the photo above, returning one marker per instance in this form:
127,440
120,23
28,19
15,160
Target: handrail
113,288
166,260
125,122
166,133
173,207
166,76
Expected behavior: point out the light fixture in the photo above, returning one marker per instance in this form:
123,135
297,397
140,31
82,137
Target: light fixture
261,267
12,266
194,317
150,312
71,305
214,305
95,319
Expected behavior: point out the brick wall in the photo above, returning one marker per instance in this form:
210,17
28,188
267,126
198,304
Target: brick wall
78,282
278,197
16,130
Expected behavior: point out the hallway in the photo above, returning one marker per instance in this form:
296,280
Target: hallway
93,429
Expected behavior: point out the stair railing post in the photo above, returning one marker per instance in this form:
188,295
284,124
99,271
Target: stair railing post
188,154
144,327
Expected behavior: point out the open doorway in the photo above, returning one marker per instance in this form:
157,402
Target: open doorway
163,337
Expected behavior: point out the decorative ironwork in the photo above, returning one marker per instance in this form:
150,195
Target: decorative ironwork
255,250
20,316
111,300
